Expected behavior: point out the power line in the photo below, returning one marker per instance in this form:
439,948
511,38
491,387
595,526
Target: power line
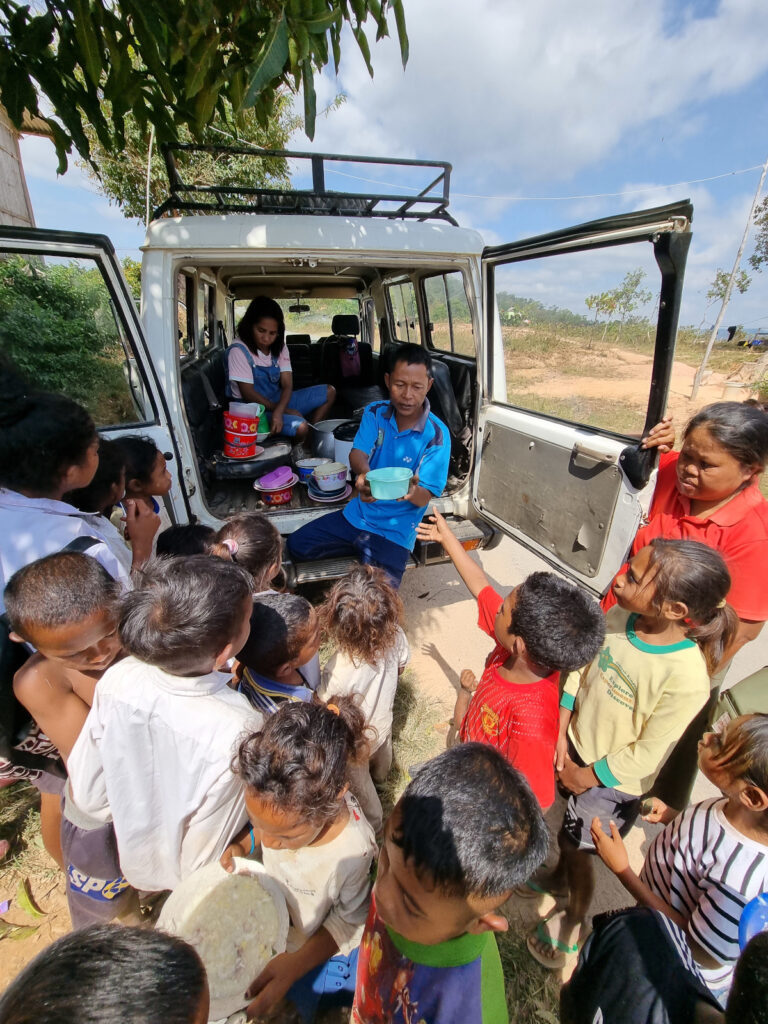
554,199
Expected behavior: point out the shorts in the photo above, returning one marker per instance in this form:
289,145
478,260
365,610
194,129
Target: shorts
329,985
601,802
97,892
305,401
47,782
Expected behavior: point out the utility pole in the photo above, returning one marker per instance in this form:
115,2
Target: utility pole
729,289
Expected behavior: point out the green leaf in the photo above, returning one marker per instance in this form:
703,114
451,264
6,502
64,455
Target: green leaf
23,933
25,901
402,35
270,61
322,24
89,56
310,99
362,42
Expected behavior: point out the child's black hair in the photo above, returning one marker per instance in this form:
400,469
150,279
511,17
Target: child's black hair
42,435
299,760
140,454
104,974
739,428
696,575
412,355
470,824
744,751
562,627
255,543
96,496
58,590
278,631
748,998
183,612
187,539
262,308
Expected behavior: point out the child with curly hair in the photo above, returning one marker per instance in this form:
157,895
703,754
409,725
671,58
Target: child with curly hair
361,616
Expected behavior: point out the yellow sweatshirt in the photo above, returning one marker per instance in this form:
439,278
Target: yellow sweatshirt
632,703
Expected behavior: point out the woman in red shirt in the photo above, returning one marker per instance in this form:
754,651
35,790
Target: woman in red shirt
709,492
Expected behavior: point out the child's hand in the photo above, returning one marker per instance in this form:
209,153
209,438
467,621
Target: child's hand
271,985
468,680
660,813
574,778
227,858
141,525
561,752
662,436
436,529
610,849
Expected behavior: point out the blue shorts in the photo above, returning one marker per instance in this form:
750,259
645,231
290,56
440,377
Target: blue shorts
331,984
305,401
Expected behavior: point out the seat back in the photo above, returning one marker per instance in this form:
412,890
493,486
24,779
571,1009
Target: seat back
299,348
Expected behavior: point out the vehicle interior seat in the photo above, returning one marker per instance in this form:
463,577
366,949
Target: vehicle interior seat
299,348
463,375
357,391
203,388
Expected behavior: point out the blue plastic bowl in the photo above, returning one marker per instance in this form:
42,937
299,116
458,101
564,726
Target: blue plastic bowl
389,483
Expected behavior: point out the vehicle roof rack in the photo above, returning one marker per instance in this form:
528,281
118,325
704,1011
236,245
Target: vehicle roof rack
402,203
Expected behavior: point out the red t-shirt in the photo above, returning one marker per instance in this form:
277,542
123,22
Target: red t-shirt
738,530
520,719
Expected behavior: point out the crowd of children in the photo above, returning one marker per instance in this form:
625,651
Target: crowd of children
182,689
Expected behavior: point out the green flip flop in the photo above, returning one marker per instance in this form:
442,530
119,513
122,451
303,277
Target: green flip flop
555,963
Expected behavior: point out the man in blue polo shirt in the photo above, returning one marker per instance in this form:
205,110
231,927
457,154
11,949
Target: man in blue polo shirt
400,432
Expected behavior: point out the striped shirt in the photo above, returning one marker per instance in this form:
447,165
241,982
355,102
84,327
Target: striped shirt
266,695
708,871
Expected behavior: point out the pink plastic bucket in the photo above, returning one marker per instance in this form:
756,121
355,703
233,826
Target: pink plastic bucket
240,435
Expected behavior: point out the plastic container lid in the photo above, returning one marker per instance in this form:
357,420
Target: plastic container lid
279,477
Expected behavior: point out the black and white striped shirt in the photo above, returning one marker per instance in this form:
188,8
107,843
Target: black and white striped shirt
708,871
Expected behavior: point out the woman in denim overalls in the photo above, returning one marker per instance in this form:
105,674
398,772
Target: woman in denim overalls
259,370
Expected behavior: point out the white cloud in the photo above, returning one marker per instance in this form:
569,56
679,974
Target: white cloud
533,93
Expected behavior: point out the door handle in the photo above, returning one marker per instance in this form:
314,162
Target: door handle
593,453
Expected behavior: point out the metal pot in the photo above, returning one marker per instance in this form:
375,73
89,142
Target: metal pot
322,438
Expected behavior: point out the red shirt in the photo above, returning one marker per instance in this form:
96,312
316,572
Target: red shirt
520,719
738,530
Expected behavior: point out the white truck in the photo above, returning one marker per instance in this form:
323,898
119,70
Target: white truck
561,473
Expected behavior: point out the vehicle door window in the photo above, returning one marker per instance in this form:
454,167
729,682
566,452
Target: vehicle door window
401,297
185,314
206,316
578,334
448,314
60,328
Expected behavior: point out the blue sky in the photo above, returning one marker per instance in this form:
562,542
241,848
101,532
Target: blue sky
551,99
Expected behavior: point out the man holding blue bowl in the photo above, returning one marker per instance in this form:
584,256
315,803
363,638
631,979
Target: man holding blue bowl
399,433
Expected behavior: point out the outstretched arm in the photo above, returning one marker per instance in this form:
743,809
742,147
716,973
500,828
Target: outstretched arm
437,529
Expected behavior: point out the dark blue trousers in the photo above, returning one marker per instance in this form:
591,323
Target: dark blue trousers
332,536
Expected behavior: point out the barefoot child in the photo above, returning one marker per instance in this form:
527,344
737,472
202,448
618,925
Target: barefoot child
622,715
361,617
544,626
466,831
155,750
315,843
284,638
705,867
65,605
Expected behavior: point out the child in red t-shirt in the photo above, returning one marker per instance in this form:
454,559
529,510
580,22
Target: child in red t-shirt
543,627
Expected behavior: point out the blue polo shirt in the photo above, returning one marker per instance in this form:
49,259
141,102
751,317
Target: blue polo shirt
425,449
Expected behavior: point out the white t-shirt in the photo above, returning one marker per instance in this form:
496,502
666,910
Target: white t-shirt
707,871
376,683
327,885
240,368
31,528
155,755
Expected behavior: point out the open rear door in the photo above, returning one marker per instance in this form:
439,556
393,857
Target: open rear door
70,324
580,332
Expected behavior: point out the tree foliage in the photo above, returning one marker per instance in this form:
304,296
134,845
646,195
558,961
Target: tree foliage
759,257
171,63
622,301
122,177
719,287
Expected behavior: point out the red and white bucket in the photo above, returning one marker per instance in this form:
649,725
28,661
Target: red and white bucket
241,427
